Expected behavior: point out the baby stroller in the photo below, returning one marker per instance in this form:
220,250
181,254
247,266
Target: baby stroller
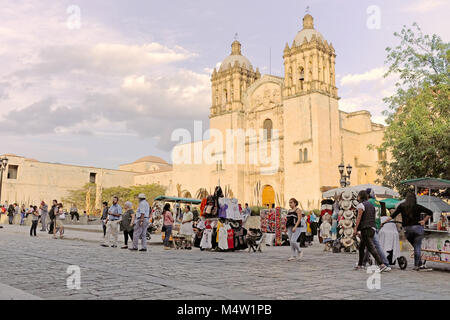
151,229
254,240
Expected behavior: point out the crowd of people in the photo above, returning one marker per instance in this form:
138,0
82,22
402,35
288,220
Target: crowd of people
299,228
55,216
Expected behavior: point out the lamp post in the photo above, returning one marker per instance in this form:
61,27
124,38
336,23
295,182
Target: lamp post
3,164
345,178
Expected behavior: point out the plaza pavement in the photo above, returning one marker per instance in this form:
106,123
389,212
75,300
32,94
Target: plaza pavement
36,268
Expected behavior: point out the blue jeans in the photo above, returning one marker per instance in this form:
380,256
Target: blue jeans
167,235
293,236
376,242
414,234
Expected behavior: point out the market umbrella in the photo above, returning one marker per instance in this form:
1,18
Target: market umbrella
430,202
380,191
430,183
433,203
391,203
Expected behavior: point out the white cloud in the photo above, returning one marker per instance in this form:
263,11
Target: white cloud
371,75
92,81
425,5
365,91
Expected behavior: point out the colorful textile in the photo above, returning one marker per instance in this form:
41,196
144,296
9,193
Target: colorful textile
202,207
229,209
230,234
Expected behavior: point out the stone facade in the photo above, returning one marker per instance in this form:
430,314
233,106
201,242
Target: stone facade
306,137
28,181
314,136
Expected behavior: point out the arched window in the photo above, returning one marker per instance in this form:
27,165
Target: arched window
305,155
301,77
267,126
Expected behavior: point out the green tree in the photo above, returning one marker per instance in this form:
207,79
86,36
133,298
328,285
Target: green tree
418,115
125,194
130,194
78,197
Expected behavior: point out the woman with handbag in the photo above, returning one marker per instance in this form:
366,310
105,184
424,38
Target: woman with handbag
168,221
125,224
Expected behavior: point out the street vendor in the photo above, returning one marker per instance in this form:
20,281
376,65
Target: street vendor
413,225
186,228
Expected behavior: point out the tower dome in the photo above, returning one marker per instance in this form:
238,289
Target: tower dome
307,32
236,56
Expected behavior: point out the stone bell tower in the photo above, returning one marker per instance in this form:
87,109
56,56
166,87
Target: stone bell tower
235,75
312,135
309,63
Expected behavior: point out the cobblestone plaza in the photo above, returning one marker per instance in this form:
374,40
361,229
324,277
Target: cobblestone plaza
36,268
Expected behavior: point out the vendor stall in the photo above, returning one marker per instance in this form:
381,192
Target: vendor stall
273,225
158,204
436,242
220,228
344,217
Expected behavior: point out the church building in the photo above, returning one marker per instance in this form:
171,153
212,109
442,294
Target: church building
304,135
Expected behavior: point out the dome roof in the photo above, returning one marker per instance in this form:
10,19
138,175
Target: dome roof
308,31
234,57
151,159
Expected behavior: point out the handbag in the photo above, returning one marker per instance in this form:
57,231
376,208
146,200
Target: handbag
62,216
163,229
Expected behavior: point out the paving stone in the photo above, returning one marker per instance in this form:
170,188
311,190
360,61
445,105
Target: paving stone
38,267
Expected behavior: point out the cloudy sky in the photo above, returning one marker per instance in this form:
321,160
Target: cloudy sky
111,86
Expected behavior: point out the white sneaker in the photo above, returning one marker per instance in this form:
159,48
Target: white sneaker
385,269
291,259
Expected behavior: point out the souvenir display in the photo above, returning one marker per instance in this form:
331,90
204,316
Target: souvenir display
223,229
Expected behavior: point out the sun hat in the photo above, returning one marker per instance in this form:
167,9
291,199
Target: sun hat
347,195
348,214
348,232
345,204
345,223
347,242
141,196
340,213
355,203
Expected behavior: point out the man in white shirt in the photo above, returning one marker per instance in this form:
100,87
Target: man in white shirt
112,223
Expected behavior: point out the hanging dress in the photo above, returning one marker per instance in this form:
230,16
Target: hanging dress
205,243
223,238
